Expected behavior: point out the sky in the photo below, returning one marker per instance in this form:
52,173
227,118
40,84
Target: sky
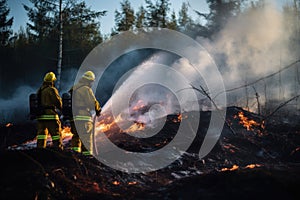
107,22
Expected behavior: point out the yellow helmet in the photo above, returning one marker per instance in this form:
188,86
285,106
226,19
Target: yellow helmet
89,75
50,77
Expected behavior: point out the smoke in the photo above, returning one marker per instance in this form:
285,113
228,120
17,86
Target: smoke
142,94
255,44
16,108
252,46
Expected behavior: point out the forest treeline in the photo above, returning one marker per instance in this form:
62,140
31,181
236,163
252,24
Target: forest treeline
27,54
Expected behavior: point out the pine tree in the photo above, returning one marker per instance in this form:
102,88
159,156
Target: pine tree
81,26
80,33
141,18
151,14
184,19
41,16
5,23
172,24
157,14
163,7
125,18
79,21
220,12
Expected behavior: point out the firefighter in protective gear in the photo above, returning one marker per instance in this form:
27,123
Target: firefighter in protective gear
48,121
83,102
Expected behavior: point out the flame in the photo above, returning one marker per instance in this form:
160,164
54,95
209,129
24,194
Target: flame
132,183
105,127
139,105
236,167
116,183
66,132
137,126
251,166
248,124
178,119
230,147
8,125
233,168
109,123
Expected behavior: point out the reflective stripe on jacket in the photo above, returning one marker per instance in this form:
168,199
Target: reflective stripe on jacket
82,118
48,117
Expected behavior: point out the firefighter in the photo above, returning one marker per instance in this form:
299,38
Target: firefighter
84,102
48,121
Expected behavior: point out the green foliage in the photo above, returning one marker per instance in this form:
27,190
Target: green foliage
5,23
141,18
42,17
220,12
124,19
81,29
151,14
184,19
172,24
34,49
157,14
163,7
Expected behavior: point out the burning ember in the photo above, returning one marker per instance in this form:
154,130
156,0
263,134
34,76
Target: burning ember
8,125
116,183
251,166
234,167
179,118
248,124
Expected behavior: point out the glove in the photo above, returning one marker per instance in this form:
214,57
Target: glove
98,112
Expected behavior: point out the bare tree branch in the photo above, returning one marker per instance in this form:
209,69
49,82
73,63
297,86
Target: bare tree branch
205,93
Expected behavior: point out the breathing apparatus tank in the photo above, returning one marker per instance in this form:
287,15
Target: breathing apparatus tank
67,105
34,106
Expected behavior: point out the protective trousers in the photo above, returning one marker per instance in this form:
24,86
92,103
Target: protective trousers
52,127
85,128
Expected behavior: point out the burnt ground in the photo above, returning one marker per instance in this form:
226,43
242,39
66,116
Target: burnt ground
261,163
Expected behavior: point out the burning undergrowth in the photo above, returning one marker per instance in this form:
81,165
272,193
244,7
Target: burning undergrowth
248,152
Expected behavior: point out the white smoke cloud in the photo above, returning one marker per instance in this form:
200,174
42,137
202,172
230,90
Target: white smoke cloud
251,46
16,109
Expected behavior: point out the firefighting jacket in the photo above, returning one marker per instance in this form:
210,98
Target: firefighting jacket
83,101
50,102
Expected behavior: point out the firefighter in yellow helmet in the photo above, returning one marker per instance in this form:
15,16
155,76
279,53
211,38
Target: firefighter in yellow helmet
48,121
83,102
